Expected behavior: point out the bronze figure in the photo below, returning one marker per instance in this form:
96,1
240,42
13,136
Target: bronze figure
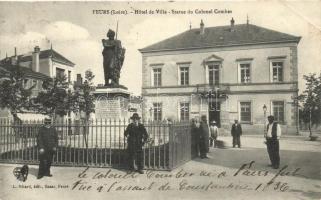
114,56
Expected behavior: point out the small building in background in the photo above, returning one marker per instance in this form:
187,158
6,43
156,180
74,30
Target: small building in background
37,65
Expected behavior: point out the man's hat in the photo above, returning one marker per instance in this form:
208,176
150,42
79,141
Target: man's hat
203,117
47,120
270,117
135,116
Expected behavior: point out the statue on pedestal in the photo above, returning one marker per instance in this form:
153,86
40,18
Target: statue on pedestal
114,56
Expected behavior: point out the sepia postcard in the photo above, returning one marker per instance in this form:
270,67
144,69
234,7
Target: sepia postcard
160,100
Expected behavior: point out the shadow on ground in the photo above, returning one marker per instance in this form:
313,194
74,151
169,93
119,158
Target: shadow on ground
33,171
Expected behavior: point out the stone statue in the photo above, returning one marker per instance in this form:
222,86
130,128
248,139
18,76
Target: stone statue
114,56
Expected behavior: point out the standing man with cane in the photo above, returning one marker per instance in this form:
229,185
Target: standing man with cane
136,138
47,141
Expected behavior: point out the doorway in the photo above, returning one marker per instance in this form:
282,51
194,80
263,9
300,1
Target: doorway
214,112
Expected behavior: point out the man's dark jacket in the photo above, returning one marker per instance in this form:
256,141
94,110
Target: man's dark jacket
47,138
204,134
136,136
236,130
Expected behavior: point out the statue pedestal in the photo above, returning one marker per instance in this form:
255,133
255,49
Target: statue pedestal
112,102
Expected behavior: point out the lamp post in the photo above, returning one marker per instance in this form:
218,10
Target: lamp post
264,111
151,113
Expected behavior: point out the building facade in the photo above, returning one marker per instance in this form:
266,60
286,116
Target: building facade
31,79
38,66
226,73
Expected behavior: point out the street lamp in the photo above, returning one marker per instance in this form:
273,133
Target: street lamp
151,112
264,110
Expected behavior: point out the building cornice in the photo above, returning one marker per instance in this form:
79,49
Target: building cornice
280,91
219,46
222,84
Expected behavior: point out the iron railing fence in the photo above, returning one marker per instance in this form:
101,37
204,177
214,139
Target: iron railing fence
97,143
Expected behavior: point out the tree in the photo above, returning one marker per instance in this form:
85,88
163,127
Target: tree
55,98
86,103
310,101
83,100
14,95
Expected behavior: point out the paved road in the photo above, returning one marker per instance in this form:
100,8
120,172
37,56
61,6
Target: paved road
218,177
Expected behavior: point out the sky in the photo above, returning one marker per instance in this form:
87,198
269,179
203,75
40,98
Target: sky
75,32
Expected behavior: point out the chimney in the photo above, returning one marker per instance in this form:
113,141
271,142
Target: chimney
202,29
79,79
14,59
35,59
232,25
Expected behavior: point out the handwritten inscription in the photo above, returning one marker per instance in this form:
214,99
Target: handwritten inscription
246,178
182,180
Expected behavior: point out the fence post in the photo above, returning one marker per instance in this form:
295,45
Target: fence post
171,143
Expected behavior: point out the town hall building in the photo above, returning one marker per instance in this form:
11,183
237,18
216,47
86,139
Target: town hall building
224,72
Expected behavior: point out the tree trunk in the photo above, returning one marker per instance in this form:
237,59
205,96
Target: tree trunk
85,131
16,126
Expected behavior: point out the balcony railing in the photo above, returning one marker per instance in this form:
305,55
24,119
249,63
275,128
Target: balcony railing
216,90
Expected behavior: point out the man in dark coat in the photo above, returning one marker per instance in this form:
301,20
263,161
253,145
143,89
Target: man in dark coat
272,141
136,137
204,137
195,133
47,141
236,133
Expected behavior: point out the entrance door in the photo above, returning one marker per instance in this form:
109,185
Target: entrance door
214,112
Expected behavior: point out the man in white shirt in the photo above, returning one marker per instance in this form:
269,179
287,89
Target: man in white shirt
214,134
272,141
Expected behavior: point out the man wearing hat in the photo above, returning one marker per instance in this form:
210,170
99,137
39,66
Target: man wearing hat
214,134
136,135
204,137
272,141
236,133
47,141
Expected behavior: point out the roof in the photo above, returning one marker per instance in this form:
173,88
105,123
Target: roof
6,68
242,34
3,72
46,54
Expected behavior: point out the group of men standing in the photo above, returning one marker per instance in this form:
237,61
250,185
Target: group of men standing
200,136
205,136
